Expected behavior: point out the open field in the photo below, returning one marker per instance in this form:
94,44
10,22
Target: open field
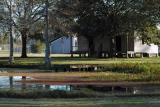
117,69
105,102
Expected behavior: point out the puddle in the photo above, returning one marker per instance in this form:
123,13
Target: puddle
11,83
121,90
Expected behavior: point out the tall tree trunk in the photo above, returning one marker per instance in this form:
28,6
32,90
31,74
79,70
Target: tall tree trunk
100,48
24,45
47,50
112,47
127,46
11,58
11,82
91,48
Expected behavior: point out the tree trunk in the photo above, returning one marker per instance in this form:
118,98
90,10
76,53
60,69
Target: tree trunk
112,47
11,82
11,58
91,48
24,45
100,48
127,46
47,50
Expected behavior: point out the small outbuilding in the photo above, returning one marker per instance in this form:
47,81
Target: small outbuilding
64,45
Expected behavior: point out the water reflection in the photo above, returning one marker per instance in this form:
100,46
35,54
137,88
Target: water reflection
23,83
61,87
121,90
10,83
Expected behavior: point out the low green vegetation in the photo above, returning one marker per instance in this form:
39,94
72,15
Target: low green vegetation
133,69
38,47
96,102
136,65
68,60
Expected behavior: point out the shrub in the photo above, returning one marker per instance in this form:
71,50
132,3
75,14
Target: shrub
37,47
127,68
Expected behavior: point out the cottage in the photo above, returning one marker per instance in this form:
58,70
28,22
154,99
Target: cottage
124,46
63,45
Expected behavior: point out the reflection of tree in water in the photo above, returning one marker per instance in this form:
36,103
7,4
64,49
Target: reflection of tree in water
47,87
114,90
23,83
106,89
11,82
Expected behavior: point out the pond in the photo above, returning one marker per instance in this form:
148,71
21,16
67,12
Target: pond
15,83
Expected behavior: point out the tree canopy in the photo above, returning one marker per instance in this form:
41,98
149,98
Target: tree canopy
99,18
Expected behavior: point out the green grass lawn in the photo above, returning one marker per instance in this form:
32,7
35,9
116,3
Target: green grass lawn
68,60
115,64
106,102
120,69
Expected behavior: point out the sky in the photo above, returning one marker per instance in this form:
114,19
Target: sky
158,26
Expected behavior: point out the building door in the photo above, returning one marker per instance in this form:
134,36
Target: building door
118,44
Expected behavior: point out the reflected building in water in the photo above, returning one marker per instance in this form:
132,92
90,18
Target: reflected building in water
18,83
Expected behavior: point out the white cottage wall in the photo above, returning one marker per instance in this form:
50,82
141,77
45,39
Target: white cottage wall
139,47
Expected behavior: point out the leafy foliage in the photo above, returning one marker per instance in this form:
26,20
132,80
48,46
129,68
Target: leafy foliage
99,18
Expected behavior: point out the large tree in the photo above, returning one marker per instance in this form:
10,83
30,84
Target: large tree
7,23
46,36
26,14
99,18
10,7
150,33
